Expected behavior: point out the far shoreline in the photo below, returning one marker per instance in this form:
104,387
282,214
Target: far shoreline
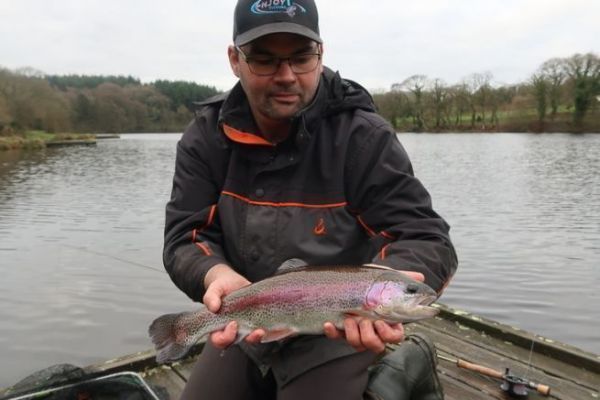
32,140
35,140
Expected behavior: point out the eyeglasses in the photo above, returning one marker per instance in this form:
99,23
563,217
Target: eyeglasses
264,65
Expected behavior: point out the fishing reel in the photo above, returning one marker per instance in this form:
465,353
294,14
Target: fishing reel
515,386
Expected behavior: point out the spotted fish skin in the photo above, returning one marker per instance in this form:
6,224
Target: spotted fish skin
299,301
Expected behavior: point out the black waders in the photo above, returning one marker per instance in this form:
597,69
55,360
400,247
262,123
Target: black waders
407,373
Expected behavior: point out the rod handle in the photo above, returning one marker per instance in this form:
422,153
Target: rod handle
542,389
480,368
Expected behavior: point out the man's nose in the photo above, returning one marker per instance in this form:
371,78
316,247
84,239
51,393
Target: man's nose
284,71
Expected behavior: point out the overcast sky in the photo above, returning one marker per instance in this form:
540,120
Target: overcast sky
376,43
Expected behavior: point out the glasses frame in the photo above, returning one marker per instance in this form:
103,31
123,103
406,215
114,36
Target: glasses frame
248,60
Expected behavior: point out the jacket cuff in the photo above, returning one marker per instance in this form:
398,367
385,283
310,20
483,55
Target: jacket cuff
188,271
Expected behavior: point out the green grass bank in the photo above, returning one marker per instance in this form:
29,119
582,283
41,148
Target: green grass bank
40,139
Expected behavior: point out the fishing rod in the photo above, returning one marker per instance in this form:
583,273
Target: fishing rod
514,385
84,249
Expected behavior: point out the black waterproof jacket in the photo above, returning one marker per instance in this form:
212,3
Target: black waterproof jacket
339,190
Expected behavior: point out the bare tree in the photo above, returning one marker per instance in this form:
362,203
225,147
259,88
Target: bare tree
30,72
392,106
439,99
479,88
459,95
554,71
540,86
416,85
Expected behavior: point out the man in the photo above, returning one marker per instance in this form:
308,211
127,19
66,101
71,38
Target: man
293,162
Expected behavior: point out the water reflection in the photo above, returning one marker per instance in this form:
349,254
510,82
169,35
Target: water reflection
81,236
77,225
525,211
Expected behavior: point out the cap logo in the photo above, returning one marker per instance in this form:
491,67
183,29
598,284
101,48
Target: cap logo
288,7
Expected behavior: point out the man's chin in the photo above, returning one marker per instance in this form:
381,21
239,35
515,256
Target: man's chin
284,110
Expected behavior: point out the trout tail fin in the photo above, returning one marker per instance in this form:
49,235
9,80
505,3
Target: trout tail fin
170,337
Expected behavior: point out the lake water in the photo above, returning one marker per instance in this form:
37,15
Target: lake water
81,234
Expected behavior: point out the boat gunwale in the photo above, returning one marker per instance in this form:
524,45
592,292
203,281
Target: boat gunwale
145,361
549,347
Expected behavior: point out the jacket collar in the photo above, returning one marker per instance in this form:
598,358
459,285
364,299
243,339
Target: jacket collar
334,95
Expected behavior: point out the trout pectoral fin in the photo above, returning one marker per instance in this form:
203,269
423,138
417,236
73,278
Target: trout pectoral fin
274,335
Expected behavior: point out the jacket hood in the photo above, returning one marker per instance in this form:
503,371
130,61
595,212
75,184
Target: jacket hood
334,95
339,95
344,94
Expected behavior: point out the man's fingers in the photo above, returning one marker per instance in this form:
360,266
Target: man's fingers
223,339
255,336
369,338
352,332
212,298
389,334
331,331
363,334
417,276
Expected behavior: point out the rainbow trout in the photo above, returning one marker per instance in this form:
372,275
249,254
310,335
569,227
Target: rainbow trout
299,301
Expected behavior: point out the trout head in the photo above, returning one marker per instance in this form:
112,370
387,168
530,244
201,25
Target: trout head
395,298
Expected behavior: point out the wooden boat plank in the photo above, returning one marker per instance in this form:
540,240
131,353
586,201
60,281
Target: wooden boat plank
131,362
520,338
185,369
460,335
459,387
562,388
553,364
165,382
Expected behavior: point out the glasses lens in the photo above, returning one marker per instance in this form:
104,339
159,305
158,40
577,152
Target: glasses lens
304,63
300,64
263,65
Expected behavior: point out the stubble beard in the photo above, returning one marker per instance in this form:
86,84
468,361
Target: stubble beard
276,110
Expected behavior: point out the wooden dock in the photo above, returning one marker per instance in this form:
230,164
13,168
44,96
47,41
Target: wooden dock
571,373
75,142
101,136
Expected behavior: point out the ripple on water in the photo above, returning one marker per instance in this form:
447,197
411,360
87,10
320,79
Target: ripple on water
81,235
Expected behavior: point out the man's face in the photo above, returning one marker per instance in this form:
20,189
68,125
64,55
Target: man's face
278,97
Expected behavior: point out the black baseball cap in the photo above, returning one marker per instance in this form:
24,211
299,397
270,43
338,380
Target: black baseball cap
255,18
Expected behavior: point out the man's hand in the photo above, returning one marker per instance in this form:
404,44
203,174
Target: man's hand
363,334
219,281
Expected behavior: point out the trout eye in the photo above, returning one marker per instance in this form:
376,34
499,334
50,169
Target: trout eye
412,288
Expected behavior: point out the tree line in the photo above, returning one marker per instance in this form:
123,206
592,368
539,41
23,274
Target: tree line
562,95
31,100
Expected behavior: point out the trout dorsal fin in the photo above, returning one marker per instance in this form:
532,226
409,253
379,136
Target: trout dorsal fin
291,265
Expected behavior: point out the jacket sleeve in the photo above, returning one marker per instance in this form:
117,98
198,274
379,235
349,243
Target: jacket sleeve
395,210
192,230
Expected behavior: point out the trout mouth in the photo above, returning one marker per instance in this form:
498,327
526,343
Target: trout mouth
416,309
427,300
421,309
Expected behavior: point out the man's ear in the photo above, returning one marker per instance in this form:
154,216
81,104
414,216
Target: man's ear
321,64
234,60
